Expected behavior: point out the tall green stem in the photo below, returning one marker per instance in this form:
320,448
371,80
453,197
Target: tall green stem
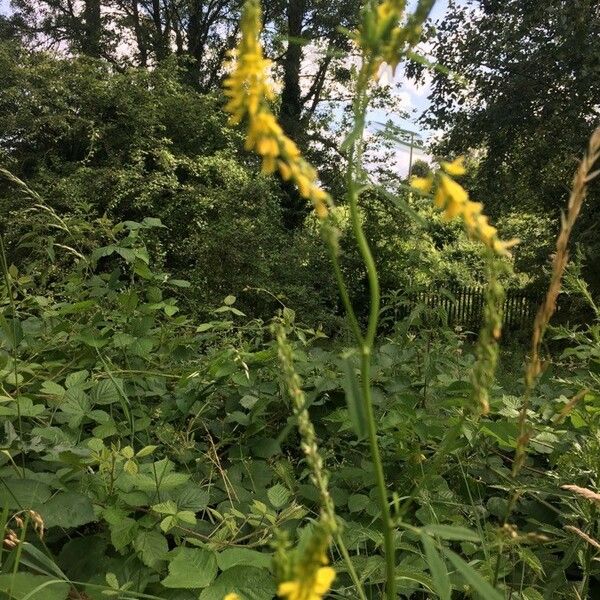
366,341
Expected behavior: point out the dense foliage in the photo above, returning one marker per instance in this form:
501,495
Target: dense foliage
523,99
184,404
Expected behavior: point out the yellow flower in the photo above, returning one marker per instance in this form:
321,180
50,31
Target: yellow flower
456,168
232,596
313,589
248,85
454,201
423,184
249,91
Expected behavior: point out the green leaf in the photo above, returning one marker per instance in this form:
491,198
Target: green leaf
152,547
105,392
165,508
248,401
531,594
68,509
53,389
191,568
153,222
233,557
451,532
123,529
278,495
437,568
191,497
82,556
33,587
145,451
358,502
23,493
168,523
186,516
229,300
265,448
472,577
76,379
354,399
249,583
182,283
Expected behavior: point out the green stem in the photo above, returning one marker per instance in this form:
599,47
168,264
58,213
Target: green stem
351,570
367,341
339,276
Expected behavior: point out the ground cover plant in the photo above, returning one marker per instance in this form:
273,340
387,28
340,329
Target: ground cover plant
159,444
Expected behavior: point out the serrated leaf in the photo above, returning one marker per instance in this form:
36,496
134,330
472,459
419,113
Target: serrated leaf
168,523
112,581
358,502
191,497
152,547
76,379
191,568
67,509
233,557
531,594
105,392
278,495
165,508
248,401
23,493
52,389
186,516
123,529
249,583
145,451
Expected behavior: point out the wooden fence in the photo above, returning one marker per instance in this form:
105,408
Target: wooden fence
465,305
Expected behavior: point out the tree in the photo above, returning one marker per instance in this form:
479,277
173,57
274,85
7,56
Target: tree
525,101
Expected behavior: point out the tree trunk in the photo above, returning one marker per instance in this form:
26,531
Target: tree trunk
195,37
291,96
92,29
294,207
139,35
159,34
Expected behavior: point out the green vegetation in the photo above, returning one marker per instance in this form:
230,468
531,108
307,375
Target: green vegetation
209,390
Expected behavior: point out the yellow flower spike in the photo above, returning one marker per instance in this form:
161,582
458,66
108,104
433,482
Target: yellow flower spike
454,201
232,596
284,170
452,209
249,91
456,168
422,184
454,190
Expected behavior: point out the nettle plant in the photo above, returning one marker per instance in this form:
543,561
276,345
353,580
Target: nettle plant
386,35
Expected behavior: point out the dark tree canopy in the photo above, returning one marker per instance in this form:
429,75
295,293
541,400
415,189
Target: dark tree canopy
524,100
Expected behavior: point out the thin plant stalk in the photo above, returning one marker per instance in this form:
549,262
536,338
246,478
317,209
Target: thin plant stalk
584,175
366,341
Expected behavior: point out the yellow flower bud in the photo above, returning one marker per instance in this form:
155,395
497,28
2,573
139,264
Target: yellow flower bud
456,168
423,184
